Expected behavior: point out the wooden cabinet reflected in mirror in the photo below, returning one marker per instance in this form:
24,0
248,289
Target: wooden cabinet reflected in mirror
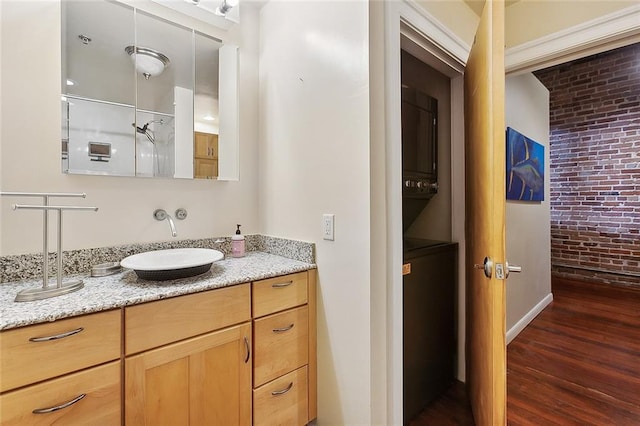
205,160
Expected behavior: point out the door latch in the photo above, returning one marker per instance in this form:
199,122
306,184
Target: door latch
487,266
502,271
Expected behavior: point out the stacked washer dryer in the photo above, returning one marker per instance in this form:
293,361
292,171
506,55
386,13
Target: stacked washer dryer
429,282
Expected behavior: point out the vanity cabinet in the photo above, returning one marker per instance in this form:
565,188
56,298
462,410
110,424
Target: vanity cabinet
238,355
36,385
284,364
189,359
205,154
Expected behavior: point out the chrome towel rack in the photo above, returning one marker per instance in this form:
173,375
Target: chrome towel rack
61,287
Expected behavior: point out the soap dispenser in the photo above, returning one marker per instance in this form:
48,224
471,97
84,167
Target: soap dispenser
237,244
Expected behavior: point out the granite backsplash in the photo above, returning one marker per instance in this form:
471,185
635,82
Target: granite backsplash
29,266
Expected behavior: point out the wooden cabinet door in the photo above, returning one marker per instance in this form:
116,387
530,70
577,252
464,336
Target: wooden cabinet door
206,145
198,381
206,169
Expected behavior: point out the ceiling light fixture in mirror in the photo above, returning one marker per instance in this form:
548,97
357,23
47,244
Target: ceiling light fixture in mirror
148,62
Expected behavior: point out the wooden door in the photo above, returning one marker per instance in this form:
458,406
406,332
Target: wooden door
198,381
485,218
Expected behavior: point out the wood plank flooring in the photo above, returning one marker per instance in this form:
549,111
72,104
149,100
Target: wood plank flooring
577,363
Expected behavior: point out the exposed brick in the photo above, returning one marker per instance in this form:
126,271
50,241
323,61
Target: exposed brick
594,168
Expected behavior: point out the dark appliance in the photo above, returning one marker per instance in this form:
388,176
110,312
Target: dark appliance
429,329
419,152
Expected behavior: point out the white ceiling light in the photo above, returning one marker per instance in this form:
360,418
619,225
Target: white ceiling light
226,6
208,118
214,12
148,62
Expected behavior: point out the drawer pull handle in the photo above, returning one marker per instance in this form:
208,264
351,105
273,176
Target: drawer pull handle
57,336
281,285
283,329
283,391
246,345
59,407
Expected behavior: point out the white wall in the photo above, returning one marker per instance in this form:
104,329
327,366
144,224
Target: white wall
30,145
528,224
314,157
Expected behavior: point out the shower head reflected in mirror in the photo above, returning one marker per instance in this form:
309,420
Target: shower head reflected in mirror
145,129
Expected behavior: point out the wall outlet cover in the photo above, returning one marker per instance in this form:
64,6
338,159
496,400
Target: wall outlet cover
328,222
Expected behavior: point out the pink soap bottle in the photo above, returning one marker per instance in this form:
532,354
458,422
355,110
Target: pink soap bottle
237,244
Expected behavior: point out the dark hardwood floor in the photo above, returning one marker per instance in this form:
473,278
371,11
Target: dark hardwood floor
577,363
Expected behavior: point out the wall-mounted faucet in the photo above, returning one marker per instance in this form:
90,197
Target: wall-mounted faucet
161,215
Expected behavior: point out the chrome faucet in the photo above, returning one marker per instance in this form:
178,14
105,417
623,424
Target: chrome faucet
161,215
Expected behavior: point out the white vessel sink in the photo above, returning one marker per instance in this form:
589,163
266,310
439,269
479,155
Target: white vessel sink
171,264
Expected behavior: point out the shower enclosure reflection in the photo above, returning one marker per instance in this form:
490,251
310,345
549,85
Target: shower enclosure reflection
135,88
155,146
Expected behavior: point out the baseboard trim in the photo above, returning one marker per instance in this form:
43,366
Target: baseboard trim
525,320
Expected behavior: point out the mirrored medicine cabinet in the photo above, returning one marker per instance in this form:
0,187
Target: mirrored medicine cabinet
142,96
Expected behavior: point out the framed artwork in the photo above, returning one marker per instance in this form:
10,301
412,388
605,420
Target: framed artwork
525,168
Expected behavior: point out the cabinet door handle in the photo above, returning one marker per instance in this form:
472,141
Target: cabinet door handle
59,407
282,391
246,345
283,329
57,336
281,285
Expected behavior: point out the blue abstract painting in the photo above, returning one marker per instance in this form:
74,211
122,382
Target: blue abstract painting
525,168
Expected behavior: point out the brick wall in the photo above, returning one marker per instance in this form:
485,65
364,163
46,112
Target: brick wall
595,166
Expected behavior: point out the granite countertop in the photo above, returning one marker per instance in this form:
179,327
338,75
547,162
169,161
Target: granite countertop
124,289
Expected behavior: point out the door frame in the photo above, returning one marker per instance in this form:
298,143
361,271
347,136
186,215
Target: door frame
444,51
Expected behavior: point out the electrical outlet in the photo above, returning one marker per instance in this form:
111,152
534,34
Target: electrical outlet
328,226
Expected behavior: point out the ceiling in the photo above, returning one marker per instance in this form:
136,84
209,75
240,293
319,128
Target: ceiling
477,5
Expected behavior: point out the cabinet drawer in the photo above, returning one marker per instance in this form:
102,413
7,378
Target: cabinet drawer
283,401
38,352
157,323
99,406
281,344
279,293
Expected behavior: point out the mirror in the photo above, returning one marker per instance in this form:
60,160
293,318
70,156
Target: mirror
141,96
